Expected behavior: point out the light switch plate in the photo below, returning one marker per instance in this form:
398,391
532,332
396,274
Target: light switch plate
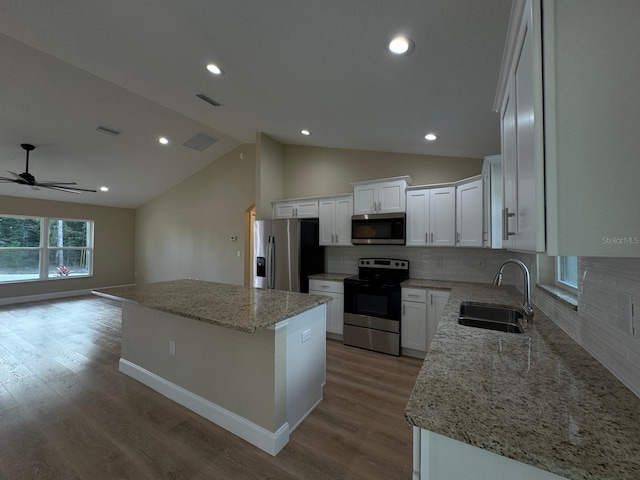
625,312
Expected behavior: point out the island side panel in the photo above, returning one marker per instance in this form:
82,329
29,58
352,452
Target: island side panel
232,369
305,363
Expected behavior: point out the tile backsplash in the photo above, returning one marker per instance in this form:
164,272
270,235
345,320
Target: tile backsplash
602,284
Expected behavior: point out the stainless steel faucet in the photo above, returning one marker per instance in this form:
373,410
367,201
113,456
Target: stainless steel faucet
526,306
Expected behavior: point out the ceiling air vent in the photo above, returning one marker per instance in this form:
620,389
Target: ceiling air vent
199,141
108,131
209,100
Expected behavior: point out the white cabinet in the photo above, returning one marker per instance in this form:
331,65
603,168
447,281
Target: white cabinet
470,214
421,312
335,308
380,196
335,220
295,209
431,214
571,154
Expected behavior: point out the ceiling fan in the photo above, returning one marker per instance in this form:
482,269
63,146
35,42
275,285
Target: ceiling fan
27,179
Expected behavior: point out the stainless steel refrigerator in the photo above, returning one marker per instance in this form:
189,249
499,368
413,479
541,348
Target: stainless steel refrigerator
285,253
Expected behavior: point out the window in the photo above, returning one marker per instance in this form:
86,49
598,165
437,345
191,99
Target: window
33,248
567,272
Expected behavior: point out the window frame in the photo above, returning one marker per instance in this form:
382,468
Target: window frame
44,249
560,274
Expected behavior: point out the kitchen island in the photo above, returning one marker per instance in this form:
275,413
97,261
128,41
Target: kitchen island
250,360
538,399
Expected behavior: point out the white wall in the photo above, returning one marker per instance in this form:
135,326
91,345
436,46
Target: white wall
185,232
269,174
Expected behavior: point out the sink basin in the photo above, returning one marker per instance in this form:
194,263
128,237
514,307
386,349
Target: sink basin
491,317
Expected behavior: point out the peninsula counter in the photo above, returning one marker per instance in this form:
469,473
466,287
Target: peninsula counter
250,360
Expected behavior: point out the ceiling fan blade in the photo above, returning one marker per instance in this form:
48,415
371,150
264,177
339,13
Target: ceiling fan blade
5,179
18,177
52,183
61,189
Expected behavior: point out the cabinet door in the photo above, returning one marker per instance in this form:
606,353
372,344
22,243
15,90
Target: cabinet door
335,313
391,196
365,198
442,216
307,209
413,329
509,170
343,214
417,217
469,214
326,221
284,210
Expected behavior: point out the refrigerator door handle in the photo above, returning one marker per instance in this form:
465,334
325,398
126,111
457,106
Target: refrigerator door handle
271,263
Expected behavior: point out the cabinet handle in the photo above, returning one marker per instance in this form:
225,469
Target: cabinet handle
295,212
336,238
505,223
457,237
431,299
426,237
413,295
431,238
325,286
404,310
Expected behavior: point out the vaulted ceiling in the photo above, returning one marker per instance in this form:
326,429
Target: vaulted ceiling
136,67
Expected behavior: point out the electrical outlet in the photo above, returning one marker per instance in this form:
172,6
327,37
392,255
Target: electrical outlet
439,262
306,335
625,312
482,263
172,347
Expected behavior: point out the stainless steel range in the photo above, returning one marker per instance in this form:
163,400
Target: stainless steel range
372,305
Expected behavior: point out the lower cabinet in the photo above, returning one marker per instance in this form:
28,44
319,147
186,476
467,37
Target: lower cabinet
421,312
335,308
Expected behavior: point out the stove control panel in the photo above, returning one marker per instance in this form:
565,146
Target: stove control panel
388,263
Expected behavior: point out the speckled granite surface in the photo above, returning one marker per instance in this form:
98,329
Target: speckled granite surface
538,398
231,306
330,277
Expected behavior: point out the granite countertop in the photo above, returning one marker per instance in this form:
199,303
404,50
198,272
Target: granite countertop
330,277
230,306
538,398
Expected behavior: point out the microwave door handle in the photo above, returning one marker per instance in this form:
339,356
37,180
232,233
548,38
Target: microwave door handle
271,263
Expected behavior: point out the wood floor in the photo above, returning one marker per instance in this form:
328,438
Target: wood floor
67,413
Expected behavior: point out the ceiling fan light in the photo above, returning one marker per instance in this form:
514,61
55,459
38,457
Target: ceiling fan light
104,189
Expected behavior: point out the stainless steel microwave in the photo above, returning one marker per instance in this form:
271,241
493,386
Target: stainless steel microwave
378,229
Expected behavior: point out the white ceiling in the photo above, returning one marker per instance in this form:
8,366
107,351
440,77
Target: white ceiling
70,66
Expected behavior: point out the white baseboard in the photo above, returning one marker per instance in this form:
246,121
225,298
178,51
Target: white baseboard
270,442
44,296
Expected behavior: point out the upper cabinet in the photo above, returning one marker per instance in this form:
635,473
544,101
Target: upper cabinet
380,196
570,156
335,220
431,216
295,209
470,214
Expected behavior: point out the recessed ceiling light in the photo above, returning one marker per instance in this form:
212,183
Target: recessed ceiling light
431,137
305,132
104,189
401,45
216,70
163,140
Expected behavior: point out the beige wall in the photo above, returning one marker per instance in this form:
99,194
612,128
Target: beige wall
314,171
114,244
185,232
269,174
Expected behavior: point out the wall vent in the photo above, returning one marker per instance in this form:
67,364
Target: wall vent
199,141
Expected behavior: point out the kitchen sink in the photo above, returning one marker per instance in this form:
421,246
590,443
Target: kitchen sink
504,319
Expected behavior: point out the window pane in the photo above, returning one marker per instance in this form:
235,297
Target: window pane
68,233
568,270
19,232
69,263
16,265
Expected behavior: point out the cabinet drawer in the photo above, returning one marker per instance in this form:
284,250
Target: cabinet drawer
326,286
414,295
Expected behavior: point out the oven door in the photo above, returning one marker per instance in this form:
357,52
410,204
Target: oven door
372,316
372,299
